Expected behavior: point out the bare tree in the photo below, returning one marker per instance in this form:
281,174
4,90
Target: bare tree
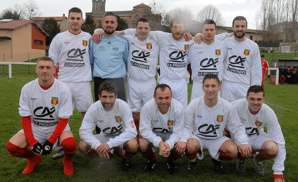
210,12
31,9
184,13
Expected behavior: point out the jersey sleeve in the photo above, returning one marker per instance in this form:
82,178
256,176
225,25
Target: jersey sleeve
54,50
256,67
222,36
188,126
24,105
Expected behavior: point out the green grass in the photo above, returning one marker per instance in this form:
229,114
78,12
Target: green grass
282,99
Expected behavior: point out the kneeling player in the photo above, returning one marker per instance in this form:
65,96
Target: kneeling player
256,115
45,106
114,119
205,119
160,126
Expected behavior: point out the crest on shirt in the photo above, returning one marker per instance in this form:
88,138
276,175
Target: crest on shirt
186,47
85,43
217,52
220,118
118,119
149,46
246,52
54,101
258,123
170,122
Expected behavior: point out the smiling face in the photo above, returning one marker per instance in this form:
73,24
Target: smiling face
255,100
239,28
109,25
163,99
107,99
211,87
75,20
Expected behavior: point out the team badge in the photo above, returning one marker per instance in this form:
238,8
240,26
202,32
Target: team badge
118,119
85,43
246,52
220,118
217,52
149,46
132,124
186,47
54,101
258,123
170,122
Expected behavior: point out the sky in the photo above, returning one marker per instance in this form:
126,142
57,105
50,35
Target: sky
228,8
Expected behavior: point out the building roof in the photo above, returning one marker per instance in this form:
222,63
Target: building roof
15,24
57,18
141,6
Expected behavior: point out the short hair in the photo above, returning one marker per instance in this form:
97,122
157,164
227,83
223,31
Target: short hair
145,20
255,89
108,86
177,19
211,76
110,14
75,10
209,21
239,18
162,87
262,56
45,58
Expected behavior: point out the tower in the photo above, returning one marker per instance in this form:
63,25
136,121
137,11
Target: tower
98,6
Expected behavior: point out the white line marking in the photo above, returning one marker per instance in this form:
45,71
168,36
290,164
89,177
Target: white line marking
281,107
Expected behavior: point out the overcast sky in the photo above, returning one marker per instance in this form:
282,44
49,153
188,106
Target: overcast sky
228,8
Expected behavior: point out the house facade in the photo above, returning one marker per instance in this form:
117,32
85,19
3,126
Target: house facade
61,21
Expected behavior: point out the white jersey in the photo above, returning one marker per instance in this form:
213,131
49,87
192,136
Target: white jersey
152,122
70,52
117,124
142,58
45,107
206,59
255,123
209,122
243,63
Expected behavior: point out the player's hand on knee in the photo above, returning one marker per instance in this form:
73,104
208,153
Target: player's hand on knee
37,148
180,147
47,148
245,150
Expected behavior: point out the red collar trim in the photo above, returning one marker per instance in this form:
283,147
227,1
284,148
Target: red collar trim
46,88
74,33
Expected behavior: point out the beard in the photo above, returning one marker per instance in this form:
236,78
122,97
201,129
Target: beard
108,106
239,36
109,32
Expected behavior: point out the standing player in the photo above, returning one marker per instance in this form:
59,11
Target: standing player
265,68
45,106
256,115
206,57
205,119
160,126
116,127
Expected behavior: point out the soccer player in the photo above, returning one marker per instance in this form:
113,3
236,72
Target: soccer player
205,119
160,127
45,107
109,57
256,116
265,68
206,57
113,117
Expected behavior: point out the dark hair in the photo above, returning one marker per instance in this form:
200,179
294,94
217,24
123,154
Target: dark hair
211,76
108,86
239,18
209,21
162,87
177,19
255,89
110,14
262,56
145,20
45,58
75,10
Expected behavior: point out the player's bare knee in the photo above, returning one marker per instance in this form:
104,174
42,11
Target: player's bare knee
144,144
271,147
192,145
132,145
83,147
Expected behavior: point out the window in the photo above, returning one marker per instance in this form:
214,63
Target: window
38,42
251,37
137,17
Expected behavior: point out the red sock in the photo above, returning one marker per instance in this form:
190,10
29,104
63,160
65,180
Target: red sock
149,155
17,151
137,123
69,146
224,157
173,156
191,155
227,133
241,158
264,155
129,155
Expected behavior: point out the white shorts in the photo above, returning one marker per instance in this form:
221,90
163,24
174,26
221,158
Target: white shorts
139,92
81,95
179,89
211,145
42,134
256,141
232,91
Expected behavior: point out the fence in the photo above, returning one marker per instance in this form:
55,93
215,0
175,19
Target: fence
14,63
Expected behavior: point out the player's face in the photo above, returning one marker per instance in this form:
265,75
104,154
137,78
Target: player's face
109,24
163,99
45,70
209,32
107,99
255,100
143,30
239,28
177,30
75,20
211,88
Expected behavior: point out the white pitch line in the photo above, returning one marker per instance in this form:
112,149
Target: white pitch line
282,107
